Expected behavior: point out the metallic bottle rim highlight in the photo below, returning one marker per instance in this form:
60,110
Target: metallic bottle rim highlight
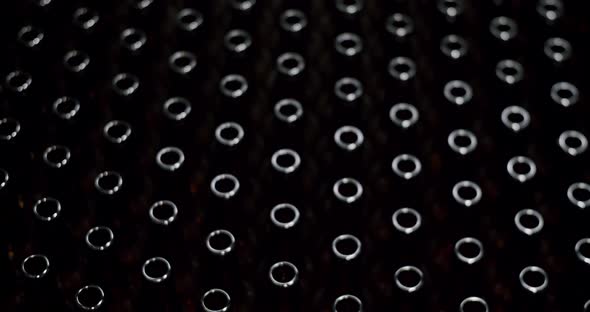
524,163
348,198
222,178
525,276
169,216
285,224
170,164
344,254
352,303
397,166
286,168
291,278
458,92
161,276
293,20
467,202
282,107
108,188
400,282
396,115
457,146
469,259
401,226
47,209
225,299
90,297
520,123
221,133
483,305
220,250
35,266
117,131
340,137
524,227
95,238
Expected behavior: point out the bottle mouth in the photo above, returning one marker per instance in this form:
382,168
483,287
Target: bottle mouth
243,5
90,297
348,44
99,238
462,141
348,190
156,270
225,186
229,133
288,110
503,28
47,209
189,19
467,193
521,168
30,36
557,49
347,303
529,221
66,107
108,182
349,7
454,46
133,39
182,62
285,216
35,266
402,68
163,212
170,158
565,94
286,161
348,89
473,304
579,194
458,92
9,129
409,279
469,250
550,10
582,249
533,279
177,108
349,138
509,71
573,142
283,274
346,247
125,84
18,81
216,300
233,86
85,18
515,118
76,61
451,8
404,115
4,178
293,21
406,166
290,64
406,220
220,242
143,4
57,156
399,25
117,131
237,41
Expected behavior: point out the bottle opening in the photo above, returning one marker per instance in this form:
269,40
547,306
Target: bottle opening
156,270
220,242
283,274
347,303
348,190
409,279
108,182
284,215
163,212
469,250
216,300
474,304
286,161
47,209
90,297
35,266
533,279
9,129
225,186
189,19
99,238
346,247
467,193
